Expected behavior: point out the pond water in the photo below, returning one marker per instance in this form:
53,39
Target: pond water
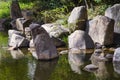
20,65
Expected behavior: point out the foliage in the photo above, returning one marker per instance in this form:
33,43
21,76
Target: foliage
4,9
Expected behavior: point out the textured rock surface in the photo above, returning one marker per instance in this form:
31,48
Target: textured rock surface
44,45
113,13
80,40
77,18
55,30
101,30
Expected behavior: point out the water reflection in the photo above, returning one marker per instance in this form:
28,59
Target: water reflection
44,69
101,73
116,65
76,60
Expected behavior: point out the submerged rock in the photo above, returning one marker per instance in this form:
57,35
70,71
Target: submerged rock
91,68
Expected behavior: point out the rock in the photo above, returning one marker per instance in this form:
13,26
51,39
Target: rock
28,33
27,14
17,54
58,42
77,18
18,41
63,52
98,45
21,23
80,40
109,56
116,39
91,68
34,30
31,45
44,45
116,56
15,11
13,24
55,30
101,29
11,32
113,13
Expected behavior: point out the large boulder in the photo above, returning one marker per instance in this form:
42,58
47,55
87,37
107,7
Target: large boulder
80,40
56,30
15,10
18,41
113,13
77,18
21,23
44,45
101,30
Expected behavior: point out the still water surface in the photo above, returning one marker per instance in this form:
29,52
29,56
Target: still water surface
20,65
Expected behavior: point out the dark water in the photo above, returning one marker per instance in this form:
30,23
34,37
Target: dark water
20,65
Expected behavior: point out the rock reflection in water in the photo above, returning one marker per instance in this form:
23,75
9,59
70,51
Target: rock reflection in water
17,54
76,60
101,73
44,69
116,65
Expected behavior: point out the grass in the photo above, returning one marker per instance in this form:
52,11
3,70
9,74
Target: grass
5,8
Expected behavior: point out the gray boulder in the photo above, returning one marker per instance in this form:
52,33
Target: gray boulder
44,45
15,10
80,40
113,13
91,68
21,23
77,18
101,30
55,30
18,41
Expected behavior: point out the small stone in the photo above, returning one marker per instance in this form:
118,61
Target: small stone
91,68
